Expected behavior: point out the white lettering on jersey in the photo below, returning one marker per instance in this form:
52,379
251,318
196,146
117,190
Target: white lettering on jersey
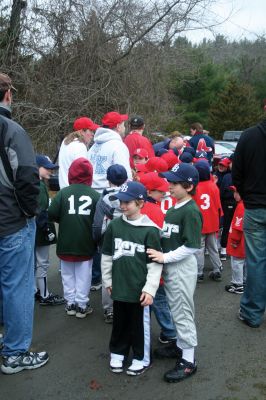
83,208
206,202
238,221
168,229
126,248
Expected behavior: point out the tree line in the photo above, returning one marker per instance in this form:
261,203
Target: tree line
71,58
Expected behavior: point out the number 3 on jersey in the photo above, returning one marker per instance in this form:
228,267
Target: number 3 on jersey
83,208
206,202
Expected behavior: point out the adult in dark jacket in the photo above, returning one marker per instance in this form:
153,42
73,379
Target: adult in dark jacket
19,189
249,177
200,141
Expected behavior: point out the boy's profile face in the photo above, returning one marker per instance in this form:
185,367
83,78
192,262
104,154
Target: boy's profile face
177,191
139,160
157,195
45,173
131,209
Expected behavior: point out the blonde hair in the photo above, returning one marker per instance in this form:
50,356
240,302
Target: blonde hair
74,135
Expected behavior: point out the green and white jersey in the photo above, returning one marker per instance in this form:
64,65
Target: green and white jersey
126,242
73,208
182,227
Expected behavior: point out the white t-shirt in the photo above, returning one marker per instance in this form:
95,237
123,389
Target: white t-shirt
67,154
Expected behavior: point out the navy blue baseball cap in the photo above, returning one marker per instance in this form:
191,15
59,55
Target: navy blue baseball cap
182,173
190,150
131,191
186,157
45,162
201,154
116,174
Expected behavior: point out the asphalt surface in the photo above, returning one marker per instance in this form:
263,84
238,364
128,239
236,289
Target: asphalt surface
231,356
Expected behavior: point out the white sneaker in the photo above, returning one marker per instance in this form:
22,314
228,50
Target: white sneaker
116,366
137,368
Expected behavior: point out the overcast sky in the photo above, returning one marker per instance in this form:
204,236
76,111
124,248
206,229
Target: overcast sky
246,18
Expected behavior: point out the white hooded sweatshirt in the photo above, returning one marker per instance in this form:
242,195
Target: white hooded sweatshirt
108,149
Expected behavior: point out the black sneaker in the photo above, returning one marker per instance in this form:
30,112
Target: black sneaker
200,278
28,360
215,276
108,317
83,312
234,288
182,370
52,300
169,351
165,340
37,295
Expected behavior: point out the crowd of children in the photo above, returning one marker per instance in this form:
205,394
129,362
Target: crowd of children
152,233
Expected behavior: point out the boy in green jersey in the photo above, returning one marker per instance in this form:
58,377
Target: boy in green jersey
131,279
73,208
181,239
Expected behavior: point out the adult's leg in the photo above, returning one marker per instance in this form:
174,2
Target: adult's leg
254,298
17,285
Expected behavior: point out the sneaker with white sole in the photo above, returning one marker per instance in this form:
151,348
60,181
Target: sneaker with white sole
116,366
137,368
83,312
28,360
71,309
96,286
234,288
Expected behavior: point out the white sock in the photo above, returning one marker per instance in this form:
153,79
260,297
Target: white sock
188,354
223,250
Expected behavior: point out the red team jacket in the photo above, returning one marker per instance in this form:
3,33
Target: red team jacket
207,198
235,244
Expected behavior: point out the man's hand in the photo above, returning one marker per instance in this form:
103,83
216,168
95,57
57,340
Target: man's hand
155,255
146,299
109,290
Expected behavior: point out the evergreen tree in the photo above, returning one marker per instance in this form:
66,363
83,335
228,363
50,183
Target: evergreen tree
235,108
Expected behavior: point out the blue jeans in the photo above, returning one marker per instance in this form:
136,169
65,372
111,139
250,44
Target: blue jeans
17,288
163,314
253,300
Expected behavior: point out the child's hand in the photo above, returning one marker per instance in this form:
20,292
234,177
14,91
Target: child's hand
155,255
109,290
146,299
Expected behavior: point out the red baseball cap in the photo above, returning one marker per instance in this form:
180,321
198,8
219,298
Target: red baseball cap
113,118
225,162
141,153
156,164
170,158
84,123
152,181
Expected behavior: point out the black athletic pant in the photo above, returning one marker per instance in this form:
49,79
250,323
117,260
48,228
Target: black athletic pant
228,210
131,328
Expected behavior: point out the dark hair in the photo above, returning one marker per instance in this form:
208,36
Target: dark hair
2,94
197,126
186,185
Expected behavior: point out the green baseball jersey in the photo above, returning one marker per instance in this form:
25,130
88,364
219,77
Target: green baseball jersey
73,208
182,227
127,244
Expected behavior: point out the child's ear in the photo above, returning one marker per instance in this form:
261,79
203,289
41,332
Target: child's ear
190,188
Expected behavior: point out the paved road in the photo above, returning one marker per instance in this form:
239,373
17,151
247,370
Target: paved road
231,356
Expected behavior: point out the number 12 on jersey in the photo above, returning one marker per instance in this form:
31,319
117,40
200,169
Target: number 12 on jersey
83,207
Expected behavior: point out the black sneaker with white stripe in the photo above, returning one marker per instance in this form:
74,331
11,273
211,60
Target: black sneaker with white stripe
28,360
